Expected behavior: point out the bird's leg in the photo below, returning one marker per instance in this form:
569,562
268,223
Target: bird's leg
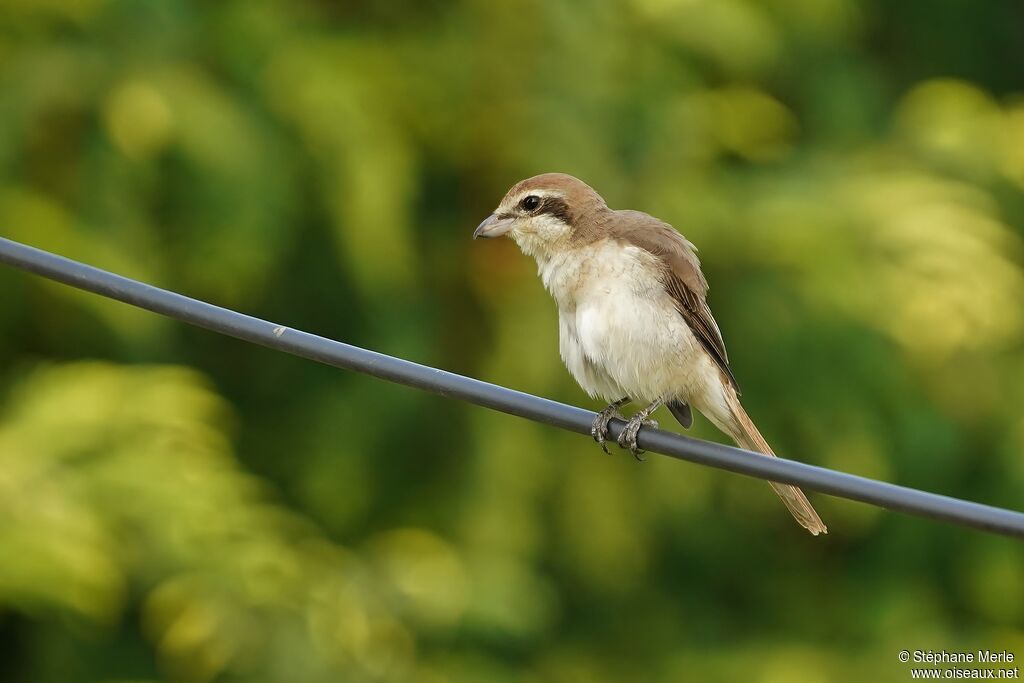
627,439
599,429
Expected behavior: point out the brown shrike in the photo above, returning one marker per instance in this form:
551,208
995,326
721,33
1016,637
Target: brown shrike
633,321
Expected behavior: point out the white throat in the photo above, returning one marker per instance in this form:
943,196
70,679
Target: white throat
542,236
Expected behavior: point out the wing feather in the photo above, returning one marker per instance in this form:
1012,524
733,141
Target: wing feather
682,278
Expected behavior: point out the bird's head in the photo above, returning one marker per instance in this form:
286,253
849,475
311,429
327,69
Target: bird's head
543,212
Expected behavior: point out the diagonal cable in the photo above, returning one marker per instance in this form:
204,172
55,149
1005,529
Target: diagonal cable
451,385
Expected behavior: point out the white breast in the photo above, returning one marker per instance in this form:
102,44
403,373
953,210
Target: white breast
620,333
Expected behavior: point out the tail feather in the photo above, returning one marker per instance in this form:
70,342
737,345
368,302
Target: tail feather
747,436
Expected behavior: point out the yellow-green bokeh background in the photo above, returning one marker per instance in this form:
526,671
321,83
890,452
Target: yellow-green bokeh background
179,506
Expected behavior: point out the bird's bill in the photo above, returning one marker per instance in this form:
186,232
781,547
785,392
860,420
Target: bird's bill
492,226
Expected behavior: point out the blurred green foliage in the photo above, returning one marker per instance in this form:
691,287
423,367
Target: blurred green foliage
179,506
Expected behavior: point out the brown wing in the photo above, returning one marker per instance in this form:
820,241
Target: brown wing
683,278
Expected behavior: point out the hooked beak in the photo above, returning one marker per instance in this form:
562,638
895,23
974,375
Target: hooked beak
493,226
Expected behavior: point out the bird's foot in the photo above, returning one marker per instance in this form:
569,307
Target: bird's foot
599,429
627,439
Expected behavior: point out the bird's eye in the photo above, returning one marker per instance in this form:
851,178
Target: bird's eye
530,202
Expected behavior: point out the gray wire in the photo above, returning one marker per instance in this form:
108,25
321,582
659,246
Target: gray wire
341,355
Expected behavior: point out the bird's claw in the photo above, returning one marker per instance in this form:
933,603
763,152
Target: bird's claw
627,439
599,428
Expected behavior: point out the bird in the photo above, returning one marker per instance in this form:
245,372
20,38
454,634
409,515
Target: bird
633,318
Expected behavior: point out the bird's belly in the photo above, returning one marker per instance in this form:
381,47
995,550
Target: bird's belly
641,342
620,332
590,375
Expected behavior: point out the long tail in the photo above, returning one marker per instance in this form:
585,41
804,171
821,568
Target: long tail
746,435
